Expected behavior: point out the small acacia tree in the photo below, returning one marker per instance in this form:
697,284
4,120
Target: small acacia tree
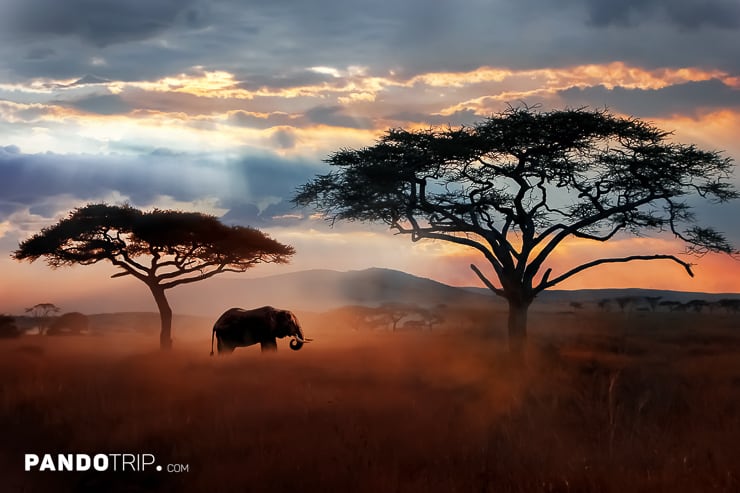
518,184
42,313
162,248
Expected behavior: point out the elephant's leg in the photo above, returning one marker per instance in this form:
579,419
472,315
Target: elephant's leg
269,345
223,347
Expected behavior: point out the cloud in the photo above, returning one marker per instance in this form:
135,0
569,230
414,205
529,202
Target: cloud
259,120
687,99
284,138
102,104
101,22
40,53
292,79
29,179
686,14
267,176
252,190
335,116
461,117
271,44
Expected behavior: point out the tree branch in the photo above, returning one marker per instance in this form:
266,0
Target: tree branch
489,284
206,275
129,269
544,284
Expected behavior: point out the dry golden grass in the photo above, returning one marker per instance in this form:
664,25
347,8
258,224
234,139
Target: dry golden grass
607,402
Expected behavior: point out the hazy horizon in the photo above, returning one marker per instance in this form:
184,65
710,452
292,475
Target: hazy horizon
211,297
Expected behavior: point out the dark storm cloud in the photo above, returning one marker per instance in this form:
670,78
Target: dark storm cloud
103,104
245,119
34,180
271,44
462,117
100,22
684,99
298,78
28,179
272,177
688,14
284,138
336,117
243,213
268,183
40,53
281,214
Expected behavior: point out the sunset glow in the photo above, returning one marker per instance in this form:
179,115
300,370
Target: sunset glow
228,119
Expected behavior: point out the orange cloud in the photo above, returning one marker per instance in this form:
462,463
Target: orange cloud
709,130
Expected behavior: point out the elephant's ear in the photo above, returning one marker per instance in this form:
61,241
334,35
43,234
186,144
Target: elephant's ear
282,323
272,319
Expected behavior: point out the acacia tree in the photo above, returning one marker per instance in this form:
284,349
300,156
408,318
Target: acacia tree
517,185
162,248
42,313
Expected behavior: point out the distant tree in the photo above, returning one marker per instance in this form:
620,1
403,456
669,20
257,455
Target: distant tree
652,301
8,328
517,185
625,302
576,304
42,313
161,248
604,304
395,312
432,316
414,325
731,305
696,305
355,316
671,305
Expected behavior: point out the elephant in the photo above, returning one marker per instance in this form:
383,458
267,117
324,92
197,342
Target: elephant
69,323
240,328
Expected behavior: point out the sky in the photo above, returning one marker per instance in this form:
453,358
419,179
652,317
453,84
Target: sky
226,106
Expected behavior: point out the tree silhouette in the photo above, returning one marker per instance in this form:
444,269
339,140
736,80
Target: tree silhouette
162,248
42,313
8,327
517,185
653,301
395,312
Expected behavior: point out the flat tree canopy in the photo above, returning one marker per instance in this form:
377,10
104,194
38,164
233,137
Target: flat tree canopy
162,248
518,184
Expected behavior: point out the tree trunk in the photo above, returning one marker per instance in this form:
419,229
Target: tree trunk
517,327
165,317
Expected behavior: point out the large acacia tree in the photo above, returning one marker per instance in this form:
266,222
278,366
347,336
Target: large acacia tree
517,185
162,248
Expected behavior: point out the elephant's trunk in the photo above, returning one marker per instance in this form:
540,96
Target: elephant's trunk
297,342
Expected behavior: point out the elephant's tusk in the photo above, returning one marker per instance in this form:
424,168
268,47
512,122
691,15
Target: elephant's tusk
303,341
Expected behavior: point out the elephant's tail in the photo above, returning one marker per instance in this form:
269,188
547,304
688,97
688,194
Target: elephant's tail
212,335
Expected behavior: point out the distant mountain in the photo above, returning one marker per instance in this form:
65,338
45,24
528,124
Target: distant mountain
319,290
323,290
595,295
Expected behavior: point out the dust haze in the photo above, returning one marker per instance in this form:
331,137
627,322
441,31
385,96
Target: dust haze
608,401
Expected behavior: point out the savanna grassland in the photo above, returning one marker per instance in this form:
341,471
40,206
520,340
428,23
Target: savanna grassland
607,402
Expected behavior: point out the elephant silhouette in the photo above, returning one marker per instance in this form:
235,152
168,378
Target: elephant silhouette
237,327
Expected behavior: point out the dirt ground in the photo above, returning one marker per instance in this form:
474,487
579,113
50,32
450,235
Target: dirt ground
607,402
